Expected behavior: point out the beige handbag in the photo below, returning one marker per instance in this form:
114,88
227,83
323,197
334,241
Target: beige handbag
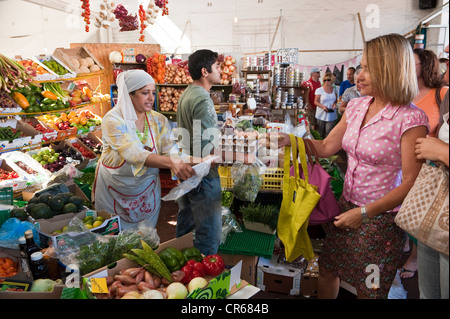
424,212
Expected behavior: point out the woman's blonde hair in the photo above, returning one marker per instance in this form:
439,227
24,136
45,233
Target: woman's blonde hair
328,75
391,64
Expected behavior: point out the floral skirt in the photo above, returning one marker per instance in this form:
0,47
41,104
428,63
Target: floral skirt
356,256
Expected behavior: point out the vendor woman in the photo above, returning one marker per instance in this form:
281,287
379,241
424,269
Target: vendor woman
137,142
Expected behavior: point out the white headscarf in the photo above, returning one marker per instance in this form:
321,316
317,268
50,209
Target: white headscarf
128,82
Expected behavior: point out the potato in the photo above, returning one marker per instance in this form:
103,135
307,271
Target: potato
94,68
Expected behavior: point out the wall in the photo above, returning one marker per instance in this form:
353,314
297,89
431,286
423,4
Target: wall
29,29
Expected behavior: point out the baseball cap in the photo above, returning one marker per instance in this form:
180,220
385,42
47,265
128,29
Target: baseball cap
315,70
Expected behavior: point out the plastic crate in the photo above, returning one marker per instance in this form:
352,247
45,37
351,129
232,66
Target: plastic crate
248,242
4,216
272,179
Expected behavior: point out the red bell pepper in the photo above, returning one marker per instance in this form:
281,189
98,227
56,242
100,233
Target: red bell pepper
214,265
191,270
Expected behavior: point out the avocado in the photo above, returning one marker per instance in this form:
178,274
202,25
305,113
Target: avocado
65,196
18,213
56,202
41,210
34,200
77,201
69,208
44,198
29,207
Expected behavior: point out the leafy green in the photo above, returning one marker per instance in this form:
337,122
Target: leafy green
265,214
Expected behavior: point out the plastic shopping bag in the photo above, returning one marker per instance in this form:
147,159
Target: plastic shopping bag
248,179
186,186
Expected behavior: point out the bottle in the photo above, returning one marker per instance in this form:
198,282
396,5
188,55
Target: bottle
22,243
38,266
31,246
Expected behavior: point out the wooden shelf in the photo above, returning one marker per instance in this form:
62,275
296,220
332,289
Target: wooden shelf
79,106
77,78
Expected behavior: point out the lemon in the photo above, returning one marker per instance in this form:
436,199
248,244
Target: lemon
88,219
88,226
100,218
97,223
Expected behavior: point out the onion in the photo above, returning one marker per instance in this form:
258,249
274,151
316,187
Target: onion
152,294
197,282
176,290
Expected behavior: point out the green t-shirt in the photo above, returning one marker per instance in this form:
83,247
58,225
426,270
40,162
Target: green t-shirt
197,116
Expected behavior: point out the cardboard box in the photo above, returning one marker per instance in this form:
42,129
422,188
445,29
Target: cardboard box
67,55
24,277
223,285
54,294
260,227
17,184
275,277
47,227
68,75
249,265
50,136
36,137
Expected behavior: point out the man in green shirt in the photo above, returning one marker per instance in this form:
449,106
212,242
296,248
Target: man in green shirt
200,209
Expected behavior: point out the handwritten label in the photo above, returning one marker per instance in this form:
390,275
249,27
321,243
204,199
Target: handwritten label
99,285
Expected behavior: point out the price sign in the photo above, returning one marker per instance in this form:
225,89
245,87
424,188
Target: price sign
287,56
99,285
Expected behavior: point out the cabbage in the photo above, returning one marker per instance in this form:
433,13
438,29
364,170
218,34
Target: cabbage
115,57
44,285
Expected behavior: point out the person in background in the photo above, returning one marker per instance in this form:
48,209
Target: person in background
431,93
444,104
136,143
350,82
431,86
312,84
433,266
379,133
351,93
200,209
325,102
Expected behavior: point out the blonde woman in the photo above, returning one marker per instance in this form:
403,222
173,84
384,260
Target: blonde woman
325,102
363,245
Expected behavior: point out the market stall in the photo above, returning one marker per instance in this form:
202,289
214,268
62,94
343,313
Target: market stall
51,110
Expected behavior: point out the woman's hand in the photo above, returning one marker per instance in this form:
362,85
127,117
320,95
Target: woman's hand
182,170
351,219
432,148
275,140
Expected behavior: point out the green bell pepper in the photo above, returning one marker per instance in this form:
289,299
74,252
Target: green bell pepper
172,258
192,253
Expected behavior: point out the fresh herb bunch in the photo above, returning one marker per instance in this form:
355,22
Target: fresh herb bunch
265,214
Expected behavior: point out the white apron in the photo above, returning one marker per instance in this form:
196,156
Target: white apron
134,199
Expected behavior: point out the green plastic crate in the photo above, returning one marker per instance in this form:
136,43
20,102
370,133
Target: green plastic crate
249,243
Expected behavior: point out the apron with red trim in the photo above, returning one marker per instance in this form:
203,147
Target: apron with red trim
134,199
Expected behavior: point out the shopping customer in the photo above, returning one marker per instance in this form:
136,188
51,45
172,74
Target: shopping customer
431,93
312,84
351,93
350,82
378,132
136,143
433,266
200,209
325,102
431,86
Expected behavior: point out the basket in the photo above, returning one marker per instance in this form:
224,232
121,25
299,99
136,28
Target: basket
272,179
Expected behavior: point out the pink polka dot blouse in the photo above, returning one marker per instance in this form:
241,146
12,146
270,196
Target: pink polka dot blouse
374,154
